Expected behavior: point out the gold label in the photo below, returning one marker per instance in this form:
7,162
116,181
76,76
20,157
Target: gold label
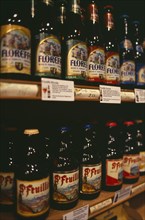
15,49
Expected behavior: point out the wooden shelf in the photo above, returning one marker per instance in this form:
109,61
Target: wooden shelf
95,206
31,90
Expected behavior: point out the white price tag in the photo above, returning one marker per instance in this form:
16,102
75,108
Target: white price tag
57,90
87,94
78,214
139,95
110,94
122,194
100,205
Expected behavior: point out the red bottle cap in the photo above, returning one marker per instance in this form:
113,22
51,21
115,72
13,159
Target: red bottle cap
111,124
128,123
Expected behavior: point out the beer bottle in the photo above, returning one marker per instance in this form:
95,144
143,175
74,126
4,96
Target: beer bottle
7,167
113,158
139,54
75,44
47,45
65,172
130,154
127,62
96,53
15,39
112,62
61,18
61,24
32,178
90,165
140,138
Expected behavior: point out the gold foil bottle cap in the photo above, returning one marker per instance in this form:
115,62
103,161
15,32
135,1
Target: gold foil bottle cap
31,131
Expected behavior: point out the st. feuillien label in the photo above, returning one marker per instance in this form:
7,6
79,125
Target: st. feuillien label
7,188
15,49
76,60
48,58
131,166
114,172
32,197
91,178
65,186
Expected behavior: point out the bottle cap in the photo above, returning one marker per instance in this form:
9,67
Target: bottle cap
128,123
108,6
31,131
111,124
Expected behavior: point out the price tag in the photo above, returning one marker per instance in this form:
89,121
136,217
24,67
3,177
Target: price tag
139,95
100,205
122,194
87,94
110,94
78,214
57,90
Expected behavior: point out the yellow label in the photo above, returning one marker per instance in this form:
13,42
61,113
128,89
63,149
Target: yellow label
32,197
15,49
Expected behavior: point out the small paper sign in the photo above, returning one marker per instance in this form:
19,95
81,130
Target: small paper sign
139,95
100,205
87,94
57,90
110,94
78,214
122,194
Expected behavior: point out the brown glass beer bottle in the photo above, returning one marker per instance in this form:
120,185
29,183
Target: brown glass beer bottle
130,153
32,178
7,167
112,61
90,165
65,172
15,39
113,158
96,53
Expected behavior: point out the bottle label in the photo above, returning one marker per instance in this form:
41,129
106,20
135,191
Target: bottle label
114,172
140,73
131,166
15,49
91,178
112,71
6,188
76,59
49,57
142,161
65,186
32,197
126,44
96,65
127,74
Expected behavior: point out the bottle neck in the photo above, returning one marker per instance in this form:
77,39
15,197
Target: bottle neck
92,13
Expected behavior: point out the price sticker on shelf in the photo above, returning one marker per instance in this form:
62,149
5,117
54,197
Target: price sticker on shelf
110,94
78,214
139,95
57,90
122,194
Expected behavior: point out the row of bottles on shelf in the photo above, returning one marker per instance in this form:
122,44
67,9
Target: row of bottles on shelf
66,40
38,171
